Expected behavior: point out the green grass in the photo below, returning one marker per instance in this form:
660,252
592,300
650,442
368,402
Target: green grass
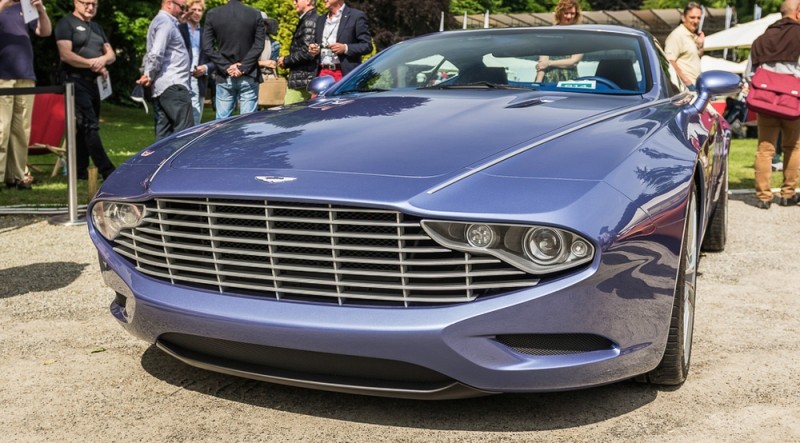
124,131
127,130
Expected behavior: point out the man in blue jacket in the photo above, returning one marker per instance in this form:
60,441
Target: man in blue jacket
233,38
342,39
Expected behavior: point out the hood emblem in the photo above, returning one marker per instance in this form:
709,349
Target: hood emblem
271,179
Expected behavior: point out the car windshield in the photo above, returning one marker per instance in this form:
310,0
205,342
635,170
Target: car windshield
609,62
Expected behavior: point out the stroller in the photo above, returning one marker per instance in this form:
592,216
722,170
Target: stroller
736,114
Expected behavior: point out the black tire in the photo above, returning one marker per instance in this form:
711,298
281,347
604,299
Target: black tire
674,365
717,231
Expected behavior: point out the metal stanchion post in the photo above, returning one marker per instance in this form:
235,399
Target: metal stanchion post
72,172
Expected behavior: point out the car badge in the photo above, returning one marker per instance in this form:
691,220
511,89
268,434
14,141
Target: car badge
273,179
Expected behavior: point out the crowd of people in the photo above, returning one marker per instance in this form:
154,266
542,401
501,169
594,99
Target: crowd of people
233,50
236,48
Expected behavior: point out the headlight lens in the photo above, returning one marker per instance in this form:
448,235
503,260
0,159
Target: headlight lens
544,245
533,249
481,236
110,218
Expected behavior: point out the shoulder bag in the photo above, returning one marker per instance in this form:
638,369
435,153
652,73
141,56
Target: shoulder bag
272,91
773,94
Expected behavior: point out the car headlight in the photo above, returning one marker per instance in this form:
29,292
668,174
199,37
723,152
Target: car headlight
533,249
110,218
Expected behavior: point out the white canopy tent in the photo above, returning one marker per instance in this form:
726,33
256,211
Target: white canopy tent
741,35
708,63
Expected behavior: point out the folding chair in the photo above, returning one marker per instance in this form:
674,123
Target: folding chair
47,130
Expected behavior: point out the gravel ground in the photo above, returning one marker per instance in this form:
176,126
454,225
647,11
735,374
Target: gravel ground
68,372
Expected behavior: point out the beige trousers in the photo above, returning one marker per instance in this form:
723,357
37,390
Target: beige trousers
15,130
768,130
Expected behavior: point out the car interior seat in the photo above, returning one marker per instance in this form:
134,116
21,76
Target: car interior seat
496,75
619,71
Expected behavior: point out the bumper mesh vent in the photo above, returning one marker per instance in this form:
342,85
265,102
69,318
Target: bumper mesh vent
292,251
555,344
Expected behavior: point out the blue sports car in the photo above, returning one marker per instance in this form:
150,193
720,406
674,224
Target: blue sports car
440,223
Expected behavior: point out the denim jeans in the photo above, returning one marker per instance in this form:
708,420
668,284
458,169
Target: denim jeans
243,89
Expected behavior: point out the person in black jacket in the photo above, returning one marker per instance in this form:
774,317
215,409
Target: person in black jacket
233,38
302,65
342,38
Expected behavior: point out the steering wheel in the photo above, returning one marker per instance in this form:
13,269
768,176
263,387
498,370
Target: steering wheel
602,80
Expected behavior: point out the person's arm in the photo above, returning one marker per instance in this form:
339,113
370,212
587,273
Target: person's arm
154,58
44,27
684,79
362,44
250,59
540,67
701,41
564,63
68,56
216,60
295,58
5,4
107,58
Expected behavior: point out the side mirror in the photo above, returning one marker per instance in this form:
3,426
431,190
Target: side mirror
711,83
319,85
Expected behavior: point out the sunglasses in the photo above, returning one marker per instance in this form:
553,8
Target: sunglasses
184,7
88,4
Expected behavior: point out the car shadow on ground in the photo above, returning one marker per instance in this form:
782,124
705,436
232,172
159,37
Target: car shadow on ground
10,223
499,413
38,277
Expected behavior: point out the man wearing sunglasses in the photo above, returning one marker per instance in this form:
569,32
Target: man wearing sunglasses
85,52
167,70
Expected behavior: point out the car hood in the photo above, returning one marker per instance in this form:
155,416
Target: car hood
379,149
411,135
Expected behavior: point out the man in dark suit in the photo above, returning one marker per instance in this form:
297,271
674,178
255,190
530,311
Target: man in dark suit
342,38
192,34
233,38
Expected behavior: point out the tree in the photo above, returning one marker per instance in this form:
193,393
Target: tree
615,5
392,21
124,23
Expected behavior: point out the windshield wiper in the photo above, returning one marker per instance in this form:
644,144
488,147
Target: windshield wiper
474,85
362,91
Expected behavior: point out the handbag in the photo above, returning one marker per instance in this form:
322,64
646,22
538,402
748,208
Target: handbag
773,94
272,91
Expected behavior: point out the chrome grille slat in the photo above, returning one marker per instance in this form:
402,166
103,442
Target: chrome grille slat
308,252
313,269
475,260
355,284
188,236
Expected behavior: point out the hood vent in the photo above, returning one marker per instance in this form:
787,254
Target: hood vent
527,102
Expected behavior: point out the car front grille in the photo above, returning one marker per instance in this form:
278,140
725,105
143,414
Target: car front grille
312,252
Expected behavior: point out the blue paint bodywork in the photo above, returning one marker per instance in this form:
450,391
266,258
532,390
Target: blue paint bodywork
615,169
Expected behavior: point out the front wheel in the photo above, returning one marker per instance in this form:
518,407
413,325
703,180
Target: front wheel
674,365
717,231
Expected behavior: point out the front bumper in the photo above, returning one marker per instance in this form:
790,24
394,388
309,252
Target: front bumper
455,347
